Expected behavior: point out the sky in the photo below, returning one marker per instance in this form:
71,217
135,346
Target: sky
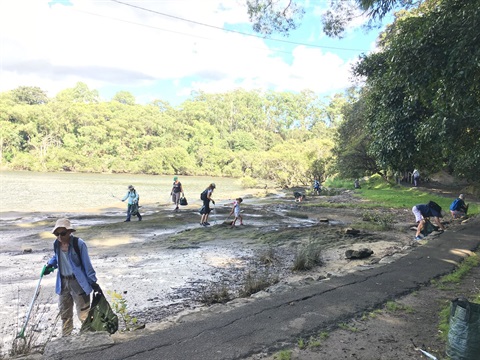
168,49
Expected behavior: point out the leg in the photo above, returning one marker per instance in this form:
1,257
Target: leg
65,305
241,220
82,304
129,212
420,227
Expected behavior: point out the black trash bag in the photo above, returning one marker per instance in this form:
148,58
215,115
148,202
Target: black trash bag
183,201
428,228
464,334
101,316
134,209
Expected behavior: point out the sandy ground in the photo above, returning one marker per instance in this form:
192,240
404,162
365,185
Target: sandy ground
167,264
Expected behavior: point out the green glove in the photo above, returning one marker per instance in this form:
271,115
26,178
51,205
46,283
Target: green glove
49,269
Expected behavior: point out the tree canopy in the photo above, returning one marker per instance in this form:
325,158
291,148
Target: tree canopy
277,136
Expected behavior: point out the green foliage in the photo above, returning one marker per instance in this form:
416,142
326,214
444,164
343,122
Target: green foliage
422,90
283,355
120,307
280,137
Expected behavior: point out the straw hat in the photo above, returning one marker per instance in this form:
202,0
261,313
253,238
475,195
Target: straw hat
62,223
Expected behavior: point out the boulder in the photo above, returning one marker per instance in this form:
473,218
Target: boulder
358,254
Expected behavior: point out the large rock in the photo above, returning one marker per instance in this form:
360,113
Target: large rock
358,254
71,345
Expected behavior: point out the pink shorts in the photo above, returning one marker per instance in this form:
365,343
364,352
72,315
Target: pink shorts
417,213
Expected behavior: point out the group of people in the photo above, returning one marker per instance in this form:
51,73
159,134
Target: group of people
424,212
177,194
76,277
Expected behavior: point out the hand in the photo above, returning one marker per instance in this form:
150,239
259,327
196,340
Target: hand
49,269
96,288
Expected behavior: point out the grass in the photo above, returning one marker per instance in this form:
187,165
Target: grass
283,355
307,257
454,278
380,193
393,306
347,327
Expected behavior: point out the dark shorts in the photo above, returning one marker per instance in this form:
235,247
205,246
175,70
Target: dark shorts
206,205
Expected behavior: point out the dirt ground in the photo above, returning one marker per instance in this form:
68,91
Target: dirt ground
167,266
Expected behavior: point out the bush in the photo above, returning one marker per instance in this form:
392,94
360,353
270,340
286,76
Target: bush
307,257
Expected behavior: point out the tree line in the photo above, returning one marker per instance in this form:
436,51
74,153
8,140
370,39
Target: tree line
283,137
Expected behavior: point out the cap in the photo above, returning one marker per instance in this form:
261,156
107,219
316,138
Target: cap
175,178
461,196
130,186
62,223
212,185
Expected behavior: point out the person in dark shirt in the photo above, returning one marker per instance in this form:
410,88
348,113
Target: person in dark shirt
423,211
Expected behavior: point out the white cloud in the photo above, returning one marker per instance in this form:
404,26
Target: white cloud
109,45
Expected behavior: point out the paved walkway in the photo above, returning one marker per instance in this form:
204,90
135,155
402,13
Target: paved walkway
269,322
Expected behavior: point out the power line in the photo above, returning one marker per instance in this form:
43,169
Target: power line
234,31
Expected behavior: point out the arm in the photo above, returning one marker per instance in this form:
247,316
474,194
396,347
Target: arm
437,221
87,264
125,197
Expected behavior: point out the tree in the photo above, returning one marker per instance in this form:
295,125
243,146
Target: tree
31,95
124,97
268,16
423,89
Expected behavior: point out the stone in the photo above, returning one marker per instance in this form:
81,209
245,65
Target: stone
358,254
77,344
351,231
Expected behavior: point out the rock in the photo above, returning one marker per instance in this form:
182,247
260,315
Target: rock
351,231
71,345
323,220
28,250
358,254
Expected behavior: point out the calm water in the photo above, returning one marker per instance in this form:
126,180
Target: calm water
74,192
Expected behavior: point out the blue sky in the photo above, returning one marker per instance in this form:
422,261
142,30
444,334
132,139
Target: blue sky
113,47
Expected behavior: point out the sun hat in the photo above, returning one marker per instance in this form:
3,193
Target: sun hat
63,223
175,178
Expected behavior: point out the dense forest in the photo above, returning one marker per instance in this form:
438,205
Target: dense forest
283,137
418,107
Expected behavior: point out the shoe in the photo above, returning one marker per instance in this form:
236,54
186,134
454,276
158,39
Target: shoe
418,238
206,224
202,224
126,220
140,219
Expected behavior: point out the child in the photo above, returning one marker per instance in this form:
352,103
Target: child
236,211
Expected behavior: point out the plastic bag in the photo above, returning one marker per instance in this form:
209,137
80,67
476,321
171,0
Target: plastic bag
101,316
183,201
464,334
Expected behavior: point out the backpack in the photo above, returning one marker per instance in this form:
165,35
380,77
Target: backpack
434,206
455,205
203,195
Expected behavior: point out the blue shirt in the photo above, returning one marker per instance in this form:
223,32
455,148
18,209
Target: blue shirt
85,276
132,197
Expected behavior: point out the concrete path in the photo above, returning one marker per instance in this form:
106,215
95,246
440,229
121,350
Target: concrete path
270,322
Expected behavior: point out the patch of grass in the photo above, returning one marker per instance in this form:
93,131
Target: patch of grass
307,257
214,294
324,335
463,269
268,257
347,327
383,219
392,306
255,282
313,342
283,355
301,344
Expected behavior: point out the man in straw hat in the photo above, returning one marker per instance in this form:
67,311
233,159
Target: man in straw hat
76,277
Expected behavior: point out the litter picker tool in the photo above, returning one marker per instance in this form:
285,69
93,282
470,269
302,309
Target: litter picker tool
427,354
21,334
